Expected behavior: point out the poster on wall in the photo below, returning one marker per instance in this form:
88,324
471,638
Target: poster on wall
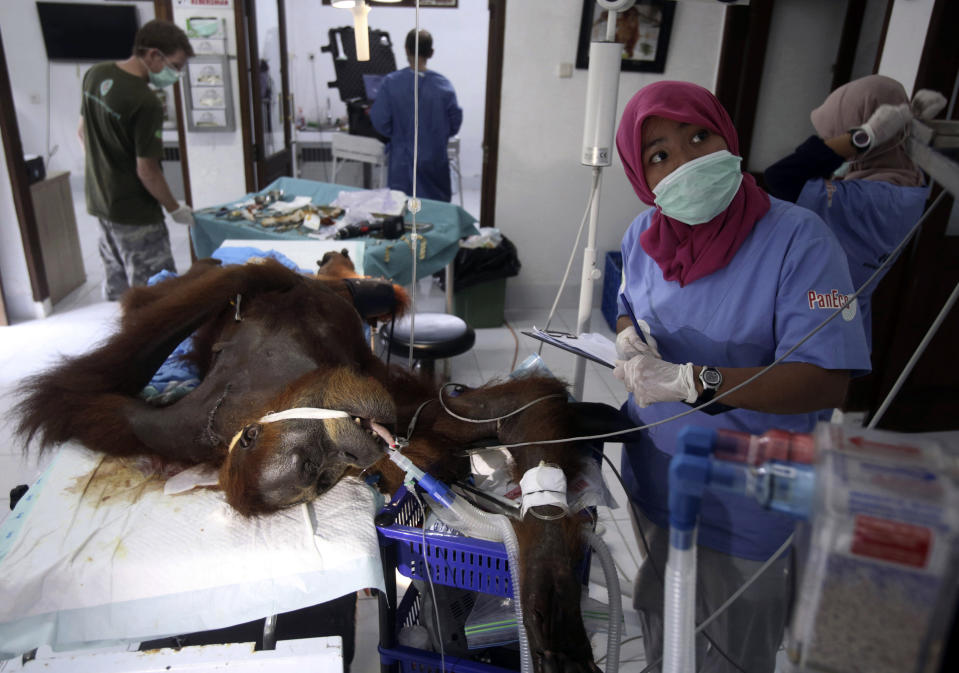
643,30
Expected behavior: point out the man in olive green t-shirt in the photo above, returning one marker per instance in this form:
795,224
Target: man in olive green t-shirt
120,129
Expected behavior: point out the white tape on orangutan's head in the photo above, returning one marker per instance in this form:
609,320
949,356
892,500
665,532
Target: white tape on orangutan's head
306,413
544,485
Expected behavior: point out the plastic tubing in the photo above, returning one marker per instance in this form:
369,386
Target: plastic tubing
614,634
497,526
477,522
679,648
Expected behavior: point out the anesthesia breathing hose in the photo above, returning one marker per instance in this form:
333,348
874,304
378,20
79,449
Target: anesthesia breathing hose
475,522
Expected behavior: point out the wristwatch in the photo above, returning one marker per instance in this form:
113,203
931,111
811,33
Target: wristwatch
859,139
711,378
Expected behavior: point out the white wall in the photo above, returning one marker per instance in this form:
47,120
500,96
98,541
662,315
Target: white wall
541,186
795,78
48,123
47,100
905,36
459,44
17,294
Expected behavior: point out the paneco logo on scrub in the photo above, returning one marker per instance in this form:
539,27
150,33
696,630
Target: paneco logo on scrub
832,299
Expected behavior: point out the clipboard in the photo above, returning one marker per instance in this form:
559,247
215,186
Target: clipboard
552,340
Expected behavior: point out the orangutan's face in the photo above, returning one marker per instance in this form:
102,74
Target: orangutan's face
278,464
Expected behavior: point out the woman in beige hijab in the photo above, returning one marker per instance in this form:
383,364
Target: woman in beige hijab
855,174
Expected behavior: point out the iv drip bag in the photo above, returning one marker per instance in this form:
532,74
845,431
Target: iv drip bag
602,90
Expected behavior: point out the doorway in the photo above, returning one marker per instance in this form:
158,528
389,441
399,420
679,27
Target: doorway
265,91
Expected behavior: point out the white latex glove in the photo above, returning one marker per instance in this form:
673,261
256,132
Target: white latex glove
651,379
629,344
926,104
887,122
183,215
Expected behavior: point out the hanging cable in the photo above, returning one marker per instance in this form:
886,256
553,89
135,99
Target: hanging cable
429,580
920,349
414,202
879,270
582,225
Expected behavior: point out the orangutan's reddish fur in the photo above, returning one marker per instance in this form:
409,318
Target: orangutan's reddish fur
93,399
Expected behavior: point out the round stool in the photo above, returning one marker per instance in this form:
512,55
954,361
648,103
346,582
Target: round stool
438,336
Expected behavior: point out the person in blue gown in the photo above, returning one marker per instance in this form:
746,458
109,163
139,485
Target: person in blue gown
855,174
440,119
720,280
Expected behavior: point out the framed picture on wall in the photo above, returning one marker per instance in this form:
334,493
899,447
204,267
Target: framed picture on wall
643,29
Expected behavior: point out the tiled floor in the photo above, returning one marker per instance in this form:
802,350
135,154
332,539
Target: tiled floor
82,319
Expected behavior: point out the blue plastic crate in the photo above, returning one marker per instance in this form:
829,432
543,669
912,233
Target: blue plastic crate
412,660
456,561
612,277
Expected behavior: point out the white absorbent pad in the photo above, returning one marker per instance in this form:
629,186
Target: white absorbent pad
96,553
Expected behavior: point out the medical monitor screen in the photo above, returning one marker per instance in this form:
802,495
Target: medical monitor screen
81,32
371,83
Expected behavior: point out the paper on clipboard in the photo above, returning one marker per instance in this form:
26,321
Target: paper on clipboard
590,345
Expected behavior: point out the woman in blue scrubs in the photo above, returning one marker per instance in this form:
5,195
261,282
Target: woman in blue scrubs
856,174
440,119
720,279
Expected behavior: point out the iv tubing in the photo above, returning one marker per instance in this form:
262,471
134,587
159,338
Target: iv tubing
614,596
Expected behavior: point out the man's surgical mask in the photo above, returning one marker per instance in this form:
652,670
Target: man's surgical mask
165,77
700,189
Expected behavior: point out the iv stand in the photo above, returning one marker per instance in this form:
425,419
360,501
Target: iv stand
602,93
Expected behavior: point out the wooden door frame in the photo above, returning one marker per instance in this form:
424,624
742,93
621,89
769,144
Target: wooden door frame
248,64
240,12
494,89
163,9
20,186
915,289
741,60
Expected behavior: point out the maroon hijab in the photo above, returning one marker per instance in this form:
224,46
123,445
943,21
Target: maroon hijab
683,252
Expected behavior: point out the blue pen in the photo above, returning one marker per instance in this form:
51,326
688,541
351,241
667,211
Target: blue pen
632,316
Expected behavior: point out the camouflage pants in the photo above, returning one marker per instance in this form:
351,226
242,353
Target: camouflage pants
131,253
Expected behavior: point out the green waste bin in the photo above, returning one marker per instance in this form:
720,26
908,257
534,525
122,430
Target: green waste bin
479,282
481,305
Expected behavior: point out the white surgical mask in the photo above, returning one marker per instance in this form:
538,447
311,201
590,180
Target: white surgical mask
700,189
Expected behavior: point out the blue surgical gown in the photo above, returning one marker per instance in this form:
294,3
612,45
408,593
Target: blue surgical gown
783,282
440,119
870,219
